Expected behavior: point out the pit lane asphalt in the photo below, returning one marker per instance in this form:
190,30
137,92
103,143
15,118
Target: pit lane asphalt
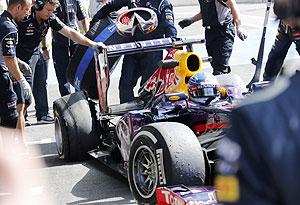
90,182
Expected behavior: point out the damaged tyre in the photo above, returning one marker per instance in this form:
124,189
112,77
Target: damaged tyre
75,128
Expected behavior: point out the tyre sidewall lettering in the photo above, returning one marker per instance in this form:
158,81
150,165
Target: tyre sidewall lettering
161,170
144,140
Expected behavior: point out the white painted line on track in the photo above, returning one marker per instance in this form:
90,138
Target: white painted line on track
44,156
108,200
43,141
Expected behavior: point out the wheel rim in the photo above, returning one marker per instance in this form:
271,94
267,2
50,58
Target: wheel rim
145,171
58,136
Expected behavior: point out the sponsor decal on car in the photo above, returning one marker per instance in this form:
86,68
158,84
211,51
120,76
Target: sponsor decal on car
167,78
168,197
182,195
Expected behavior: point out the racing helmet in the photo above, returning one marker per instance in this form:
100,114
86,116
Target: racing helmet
203,86
142,18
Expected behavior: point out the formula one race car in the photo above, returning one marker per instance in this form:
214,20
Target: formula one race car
166,136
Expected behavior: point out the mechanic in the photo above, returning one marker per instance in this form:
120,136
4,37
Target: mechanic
144,64
33,29
17,10
286,35
95,5
39,63
219,17
259,158
69,12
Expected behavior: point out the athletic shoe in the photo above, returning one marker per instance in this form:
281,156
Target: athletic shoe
47,119
27,122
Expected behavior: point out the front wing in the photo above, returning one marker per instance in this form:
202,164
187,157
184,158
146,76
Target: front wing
182,195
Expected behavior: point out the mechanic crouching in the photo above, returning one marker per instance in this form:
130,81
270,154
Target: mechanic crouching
144,64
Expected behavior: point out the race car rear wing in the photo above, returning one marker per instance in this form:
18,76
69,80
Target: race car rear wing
151,45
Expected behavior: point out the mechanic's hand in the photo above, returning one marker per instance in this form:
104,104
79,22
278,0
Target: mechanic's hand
46,55
98,46
25,88
185,22
24,68
241,33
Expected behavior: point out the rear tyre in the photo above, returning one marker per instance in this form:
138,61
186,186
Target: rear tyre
75,127
164,154
61,137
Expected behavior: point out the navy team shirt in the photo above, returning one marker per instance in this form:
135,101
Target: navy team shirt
215,13
31,33
8,38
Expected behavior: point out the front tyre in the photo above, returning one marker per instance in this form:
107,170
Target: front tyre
163,154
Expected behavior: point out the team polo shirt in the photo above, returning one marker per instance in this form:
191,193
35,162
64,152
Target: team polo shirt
215,13
31,33
8,38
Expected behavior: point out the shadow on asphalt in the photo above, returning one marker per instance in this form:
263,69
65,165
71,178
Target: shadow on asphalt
47,152
109,187
106,186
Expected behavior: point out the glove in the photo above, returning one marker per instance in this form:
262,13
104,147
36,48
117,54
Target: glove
241,33
25,88
185,22
98,46
24,68
46,55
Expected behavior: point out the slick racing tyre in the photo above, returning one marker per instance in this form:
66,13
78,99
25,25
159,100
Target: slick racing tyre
75,130
163,154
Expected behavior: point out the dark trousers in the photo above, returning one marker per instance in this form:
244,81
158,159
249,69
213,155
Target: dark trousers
39,86
133,67
61,58
8,101
219,43
278,53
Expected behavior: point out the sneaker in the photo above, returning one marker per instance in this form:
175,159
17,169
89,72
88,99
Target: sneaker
27,122
47,119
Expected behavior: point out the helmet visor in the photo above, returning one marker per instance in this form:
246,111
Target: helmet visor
201,91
